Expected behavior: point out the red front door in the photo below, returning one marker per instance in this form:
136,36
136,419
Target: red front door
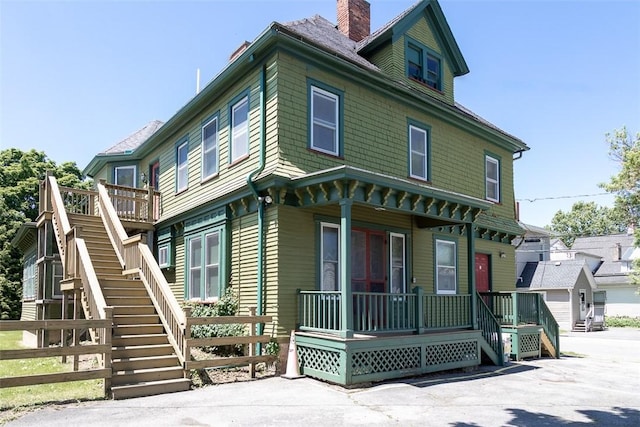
368,261
482,273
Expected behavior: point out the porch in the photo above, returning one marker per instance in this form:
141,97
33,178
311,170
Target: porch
390,335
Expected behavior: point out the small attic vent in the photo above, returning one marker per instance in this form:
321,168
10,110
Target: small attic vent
239,50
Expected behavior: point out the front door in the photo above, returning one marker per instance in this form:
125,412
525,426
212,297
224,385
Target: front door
368,261
483,283
583,304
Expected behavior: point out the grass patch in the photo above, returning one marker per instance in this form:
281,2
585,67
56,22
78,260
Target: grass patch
16,400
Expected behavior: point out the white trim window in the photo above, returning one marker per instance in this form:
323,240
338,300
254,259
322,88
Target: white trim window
210,148
163,256
125,176
397,255
418,146
29,278
324,121
446,274
240,129
330,257
204,266
492,178
182,166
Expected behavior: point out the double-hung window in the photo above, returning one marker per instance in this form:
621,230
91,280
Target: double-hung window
29,278
325,121
210,148
240,129
330,257
446,270
492,178
125,176
204,261
419,145
398,283
182,166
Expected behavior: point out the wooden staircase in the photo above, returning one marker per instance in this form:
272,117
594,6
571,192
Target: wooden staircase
143,361
579,326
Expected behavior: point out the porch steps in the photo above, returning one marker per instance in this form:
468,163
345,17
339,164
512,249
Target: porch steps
546,346
579,326
142,359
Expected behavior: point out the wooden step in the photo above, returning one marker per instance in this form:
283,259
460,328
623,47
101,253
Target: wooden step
123,310
146,375
142,329
150,388
146,362
142,351
116,300
139,340
124,292
136,319
121,283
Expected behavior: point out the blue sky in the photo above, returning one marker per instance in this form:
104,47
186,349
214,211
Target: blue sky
78,76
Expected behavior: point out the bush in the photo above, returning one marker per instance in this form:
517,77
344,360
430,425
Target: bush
227,305
623,322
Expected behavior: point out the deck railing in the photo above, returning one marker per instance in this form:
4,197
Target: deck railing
384,312
514,308
549,324
77,201
491,330
134,204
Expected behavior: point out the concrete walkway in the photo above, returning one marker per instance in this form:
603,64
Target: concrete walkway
595,383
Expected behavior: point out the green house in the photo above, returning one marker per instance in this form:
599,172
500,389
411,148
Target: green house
327,177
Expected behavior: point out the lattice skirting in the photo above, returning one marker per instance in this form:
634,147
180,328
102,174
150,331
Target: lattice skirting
352,362
529,344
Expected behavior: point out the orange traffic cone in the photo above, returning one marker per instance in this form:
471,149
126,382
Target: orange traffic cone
293,370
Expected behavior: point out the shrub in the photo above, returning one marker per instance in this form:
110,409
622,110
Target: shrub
623,322
227,305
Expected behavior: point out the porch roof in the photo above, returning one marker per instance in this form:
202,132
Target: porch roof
384,192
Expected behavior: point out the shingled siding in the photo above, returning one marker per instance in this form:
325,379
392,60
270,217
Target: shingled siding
502,270
230,176
376,137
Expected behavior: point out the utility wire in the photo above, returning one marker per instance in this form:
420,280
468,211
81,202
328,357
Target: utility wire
562,197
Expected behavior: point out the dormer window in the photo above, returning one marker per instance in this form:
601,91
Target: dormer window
417,56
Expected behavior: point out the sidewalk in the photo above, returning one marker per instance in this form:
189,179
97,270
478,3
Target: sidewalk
596,383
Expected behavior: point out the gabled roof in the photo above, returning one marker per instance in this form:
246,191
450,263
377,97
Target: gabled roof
603,246
406,19
560,275
533,230
125,147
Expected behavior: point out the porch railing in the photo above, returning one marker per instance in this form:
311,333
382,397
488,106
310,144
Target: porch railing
491,330
384,312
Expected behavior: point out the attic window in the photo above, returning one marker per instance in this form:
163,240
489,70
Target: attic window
417,56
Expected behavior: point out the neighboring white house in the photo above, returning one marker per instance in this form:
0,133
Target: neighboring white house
533,246
616,253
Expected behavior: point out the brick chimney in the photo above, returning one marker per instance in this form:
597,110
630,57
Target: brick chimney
354,19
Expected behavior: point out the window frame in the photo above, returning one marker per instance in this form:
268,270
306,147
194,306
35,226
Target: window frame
182,144
221,248
411,125
164,248
29,277
424,55
321,284
490,181
215,150
314,87
437,266
234,133
122,167
403,287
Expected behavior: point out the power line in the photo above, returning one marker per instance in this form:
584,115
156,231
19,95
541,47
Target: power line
562,197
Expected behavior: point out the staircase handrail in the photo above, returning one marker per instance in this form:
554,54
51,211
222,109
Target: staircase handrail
588,320
171,314
490,327
136,258
91,285
61,225
115,230
549,324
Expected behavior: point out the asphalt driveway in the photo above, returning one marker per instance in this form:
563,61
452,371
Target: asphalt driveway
595,383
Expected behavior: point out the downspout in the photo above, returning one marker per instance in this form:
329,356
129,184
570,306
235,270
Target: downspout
261,201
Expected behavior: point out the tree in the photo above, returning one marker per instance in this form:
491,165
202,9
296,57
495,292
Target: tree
625,149
20,174
587,219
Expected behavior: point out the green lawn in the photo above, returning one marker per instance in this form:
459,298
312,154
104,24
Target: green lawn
18,399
